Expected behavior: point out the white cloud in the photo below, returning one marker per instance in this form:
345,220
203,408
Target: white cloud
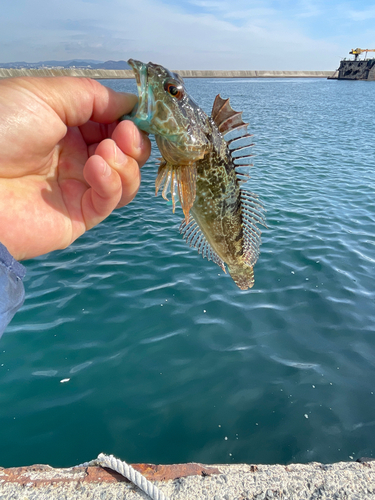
362,15
195,34
309,8
208,4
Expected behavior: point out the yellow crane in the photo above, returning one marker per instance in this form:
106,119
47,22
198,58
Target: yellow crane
357,52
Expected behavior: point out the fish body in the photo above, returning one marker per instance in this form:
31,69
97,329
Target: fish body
203,165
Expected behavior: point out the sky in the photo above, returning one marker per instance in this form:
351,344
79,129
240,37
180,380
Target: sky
189,34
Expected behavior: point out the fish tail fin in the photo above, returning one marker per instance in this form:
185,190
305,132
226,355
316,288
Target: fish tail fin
242,275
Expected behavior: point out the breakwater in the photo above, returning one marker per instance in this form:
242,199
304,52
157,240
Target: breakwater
98,74
357,70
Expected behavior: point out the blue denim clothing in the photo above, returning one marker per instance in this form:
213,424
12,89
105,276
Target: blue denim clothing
12,292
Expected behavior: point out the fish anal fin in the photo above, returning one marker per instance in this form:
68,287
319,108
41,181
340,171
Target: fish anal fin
179,180
193,236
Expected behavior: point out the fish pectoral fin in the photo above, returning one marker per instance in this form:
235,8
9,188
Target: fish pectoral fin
187,187
194,237
177,179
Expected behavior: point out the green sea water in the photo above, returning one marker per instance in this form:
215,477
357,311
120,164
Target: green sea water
130,343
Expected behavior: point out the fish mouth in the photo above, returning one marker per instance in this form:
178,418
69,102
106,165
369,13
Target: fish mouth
140,71
143,111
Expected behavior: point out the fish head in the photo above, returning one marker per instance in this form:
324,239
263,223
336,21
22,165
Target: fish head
166,110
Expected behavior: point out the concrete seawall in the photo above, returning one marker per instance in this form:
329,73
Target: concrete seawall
98,74
314,481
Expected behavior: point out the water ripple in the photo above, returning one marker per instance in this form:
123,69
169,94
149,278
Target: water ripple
159,344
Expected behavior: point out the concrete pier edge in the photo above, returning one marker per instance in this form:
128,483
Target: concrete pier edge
342,480
98,74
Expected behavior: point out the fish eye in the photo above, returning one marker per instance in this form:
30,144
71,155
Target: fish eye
174,89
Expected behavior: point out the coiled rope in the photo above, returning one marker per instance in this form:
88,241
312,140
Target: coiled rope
127,471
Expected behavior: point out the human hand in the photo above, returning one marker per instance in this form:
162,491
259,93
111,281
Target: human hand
65,161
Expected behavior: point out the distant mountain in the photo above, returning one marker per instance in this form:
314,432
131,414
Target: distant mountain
112,65
73,63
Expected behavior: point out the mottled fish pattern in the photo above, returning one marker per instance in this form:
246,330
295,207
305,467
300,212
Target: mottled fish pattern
205,162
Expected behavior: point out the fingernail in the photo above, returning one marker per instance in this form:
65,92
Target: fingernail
138,139
119,156
106,169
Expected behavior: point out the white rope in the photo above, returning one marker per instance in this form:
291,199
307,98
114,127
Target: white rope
127,471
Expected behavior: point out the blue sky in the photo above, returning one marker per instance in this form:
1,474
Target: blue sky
189,34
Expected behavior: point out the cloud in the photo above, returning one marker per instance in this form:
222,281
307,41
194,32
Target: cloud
308,9
195,34
362,15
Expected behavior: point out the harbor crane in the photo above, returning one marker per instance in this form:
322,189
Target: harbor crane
357,52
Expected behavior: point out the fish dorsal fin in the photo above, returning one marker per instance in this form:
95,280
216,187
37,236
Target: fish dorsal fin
234,130
194,237
224,116
239,141
252,214
180,178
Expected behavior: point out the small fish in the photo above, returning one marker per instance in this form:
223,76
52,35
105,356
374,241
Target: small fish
203,164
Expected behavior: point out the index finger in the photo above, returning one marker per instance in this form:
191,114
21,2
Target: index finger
78,100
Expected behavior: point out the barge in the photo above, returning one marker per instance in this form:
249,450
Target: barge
357,69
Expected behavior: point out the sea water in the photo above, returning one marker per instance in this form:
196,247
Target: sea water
130,343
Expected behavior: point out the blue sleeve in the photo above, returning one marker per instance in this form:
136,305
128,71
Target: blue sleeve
12,292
